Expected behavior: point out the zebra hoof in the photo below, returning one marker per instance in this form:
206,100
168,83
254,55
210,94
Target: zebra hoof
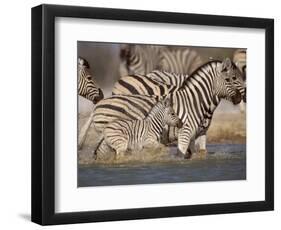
119,156
203,153
188,154
180,153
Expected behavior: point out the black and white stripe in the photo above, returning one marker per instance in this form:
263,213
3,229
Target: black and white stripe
180,60
139,59
151,84
240,60
175,64
143,59
194,103
86,86
122,135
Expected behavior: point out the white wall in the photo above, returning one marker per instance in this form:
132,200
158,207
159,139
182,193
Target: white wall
15,114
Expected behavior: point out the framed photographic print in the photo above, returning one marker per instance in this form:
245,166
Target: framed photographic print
142,114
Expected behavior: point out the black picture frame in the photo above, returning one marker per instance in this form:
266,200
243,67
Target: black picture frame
43,114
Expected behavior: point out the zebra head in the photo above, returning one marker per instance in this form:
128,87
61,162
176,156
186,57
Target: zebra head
230,83
170,117
86,86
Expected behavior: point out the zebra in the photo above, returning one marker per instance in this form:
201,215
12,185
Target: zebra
122,135
176,63
239,58
139,59
87,88
180,60
151,85
142,59
194,103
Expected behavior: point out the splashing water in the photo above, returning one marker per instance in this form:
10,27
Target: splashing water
224,162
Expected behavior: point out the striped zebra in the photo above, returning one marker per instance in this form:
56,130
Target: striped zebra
142,59
240,59
194,103
151,85
139,59
180,60
87,88
176,63
122,135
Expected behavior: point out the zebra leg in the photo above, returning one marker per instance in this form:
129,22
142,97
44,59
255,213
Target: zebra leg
98,140
117,142
184,139
242,107
190,150
96,147
120,153
120,148
201,141
104,152
165,136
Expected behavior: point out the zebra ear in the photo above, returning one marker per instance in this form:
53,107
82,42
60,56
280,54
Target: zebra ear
80,61
226,64
83,63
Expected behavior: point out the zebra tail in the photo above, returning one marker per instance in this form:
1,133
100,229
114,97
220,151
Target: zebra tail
96,148
98,139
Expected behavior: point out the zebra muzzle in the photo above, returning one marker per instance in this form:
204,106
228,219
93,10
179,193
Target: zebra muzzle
180,154
236,99
99,97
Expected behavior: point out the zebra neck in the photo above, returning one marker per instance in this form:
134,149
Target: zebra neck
197,97
155,120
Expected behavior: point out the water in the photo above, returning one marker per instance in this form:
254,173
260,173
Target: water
224,162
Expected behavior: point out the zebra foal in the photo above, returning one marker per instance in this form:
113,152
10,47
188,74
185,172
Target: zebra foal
122,135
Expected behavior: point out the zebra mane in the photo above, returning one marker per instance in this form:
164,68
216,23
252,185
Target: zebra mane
196,70
202,66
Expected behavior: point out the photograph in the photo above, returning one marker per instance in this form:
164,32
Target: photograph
156,113
140,114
